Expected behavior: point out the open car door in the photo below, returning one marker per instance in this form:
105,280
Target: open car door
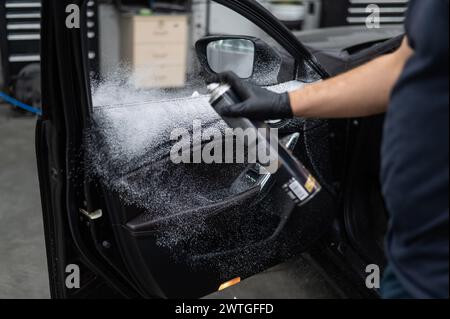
138,225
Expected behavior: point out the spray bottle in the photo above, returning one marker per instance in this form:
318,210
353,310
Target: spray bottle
294,178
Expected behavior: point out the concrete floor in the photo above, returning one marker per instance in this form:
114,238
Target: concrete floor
23,264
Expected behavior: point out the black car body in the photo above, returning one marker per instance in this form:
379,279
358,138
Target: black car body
116,249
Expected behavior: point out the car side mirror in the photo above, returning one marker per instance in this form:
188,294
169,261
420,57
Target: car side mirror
237,55
250,58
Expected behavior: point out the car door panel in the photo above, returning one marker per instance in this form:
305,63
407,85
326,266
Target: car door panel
227,236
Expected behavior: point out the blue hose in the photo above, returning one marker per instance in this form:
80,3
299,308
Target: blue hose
19,104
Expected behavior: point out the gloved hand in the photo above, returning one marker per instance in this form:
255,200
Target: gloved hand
258,103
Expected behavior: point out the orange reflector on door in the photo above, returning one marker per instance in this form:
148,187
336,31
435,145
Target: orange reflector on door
229,284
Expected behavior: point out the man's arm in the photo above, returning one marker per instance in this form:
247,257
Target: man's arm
361,92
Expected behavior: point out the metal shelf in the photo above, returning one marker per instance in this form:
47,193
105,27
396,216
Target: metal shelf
20,21
392,11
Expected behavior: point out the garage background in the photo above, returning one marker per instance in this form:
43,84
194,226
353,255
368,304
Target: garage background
23,272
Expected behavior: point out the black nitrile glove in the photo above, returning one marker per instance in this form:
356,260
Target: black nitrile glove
258,103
